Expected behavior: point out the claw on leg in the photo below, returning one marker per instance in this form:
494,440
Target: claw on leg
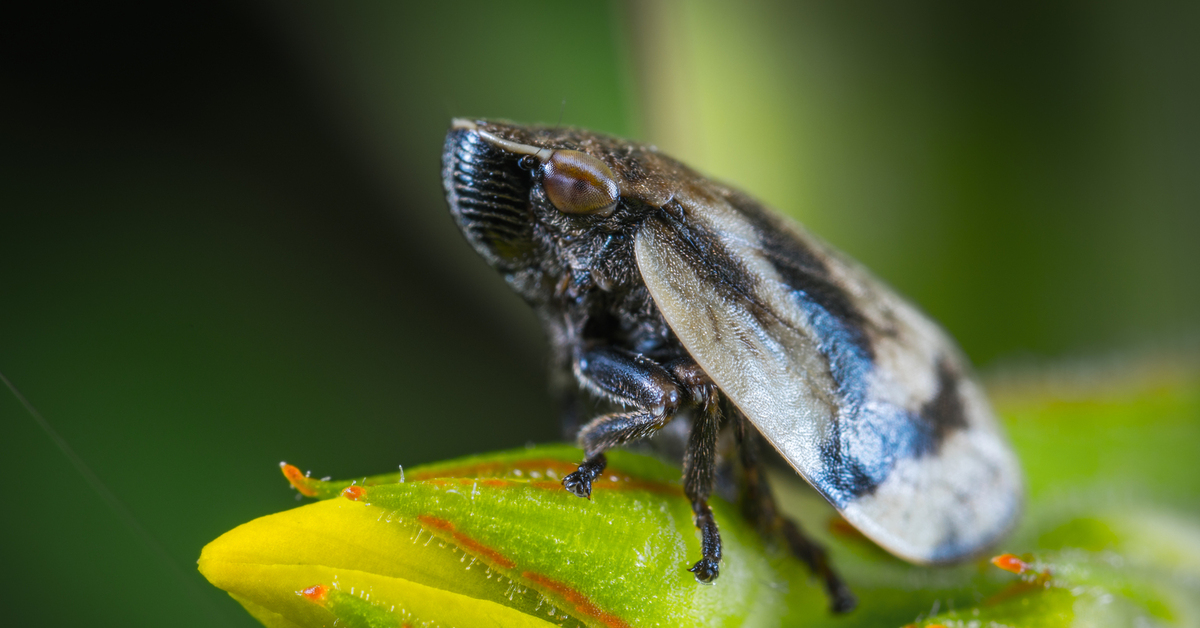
706,570
579,483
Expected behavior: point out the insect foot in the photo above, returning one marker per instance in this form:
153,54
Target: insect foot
842,600
706,570
579,483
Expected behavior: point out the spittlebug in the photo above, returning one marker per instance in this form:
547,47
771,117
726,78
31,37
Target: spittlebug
663,291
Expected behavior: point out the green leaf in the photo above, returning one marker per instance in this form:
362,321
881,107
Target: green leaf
499,531
495,540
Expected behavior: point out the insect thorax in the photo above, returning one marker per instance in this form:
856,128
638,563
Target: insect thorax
589,283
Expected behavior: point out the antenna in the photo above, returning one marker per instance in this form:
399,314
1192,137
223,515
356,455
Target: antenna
561,109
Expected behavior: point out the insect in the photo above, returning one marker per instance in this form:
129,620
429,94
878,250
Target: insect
664,292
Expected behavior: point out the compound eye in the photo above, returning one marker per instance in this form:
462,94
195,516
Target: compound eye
578,183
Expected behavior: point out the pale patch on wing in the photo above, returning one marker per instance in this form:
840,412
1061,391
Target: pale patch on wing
945,507
864,396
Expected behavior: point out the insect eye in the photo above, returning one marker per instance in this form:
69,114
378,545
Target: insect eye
528,162
578,183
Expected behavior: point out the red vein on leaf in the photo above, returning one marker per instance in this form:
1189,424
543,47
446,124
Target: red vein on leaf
609,483
497,469
582,603
466,542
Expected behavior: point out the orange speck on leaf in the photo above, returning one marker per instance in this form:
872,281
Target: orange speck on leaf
1009,562
1032,581
354,493
316,593
296,478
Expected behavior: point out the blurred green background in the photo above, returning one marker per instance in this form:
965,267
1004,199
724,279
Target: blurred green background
224,244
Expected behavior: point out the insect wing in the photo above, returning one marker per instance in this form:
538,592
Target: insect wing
861,393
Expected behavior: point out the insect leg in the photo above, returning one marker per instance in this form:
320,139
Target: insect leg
759,507
700,462
629,379
606,432
699,466
579,483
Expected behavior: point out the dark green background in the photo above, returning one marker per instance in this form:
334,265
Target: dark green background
223,241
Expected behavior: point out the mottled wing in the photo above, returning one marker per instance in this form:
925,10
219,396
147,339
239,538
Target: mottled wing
867,398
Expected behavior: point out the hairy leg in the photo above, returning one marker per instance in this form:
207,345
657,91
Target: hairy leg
656,392
628,379
699,466
604,433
